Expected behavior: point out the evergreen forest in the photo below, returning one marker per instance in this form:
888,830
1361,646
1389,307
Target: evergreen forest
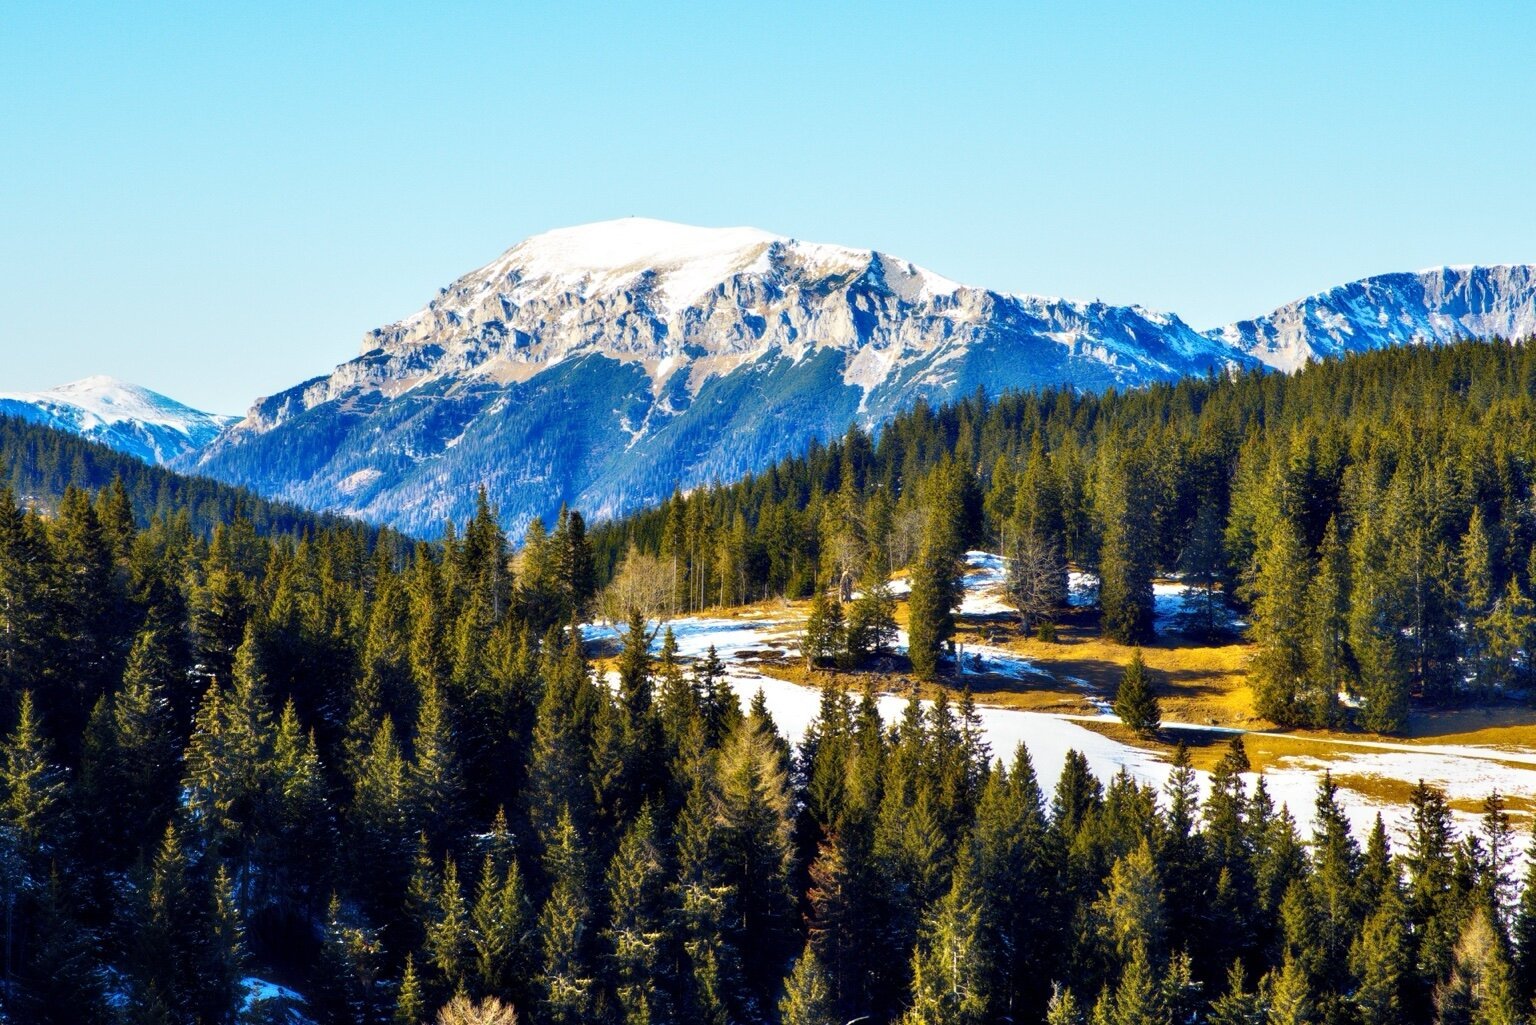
387,781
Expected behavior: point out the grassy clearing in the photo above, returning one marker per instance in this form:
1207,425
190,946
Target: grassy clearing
1196,683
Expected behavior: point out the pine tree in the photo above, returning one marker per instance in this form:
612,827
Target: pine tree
1496,882
24,569
1480,989
559,781
436,787
1132,906
1509,631
930,606
1237,1006
1335,898
86,614
500,925
1288,996
1524,931
231,740
872,619
352,984
1062,1008
378,818
717,701
1280,627
574,560
448,934
951,962
565,924
807,996
410,1004
755,815
1381,960
224,958
1376,622
825,634
32,788
1136,1000
1330,664
1126,557
637,935
1475,561
1135,703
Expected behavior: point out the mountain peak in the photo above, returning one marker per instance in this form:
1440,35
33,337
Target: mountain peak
605,363
687,260
636,242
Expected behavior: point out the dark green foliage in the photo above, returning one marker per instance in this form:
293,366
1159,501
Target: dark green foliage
385,775
1135,703
825,637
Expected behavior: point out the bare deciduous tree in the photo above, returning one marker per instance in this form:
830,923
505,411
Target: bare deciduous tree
1036,577
642,585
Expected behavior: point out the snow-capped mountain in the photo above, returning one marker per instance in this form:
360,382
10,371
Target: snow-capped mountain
606,364
603,365
123,416
1442,304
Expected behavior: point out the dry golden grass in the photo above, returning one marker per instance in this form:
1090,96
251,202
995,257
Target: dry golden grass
1196,683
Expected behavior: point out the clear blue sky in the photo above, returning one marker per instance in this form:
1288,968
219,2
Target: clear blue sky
217,200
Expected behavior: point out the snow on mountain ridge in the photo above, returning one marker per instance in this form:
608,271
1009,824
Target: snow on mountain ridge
1436,305
619,359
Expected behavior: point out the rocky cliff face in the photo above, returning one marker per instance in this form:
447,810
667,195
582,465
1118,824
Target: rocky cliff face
607,364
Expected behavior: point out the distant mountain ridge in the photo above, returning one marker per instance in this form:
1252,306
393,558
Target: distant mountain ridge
1437,305
606,364
126,417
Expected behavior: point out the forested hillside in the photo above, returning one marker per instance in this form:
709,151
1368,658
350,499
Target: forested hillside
1371,516
40,463
263,776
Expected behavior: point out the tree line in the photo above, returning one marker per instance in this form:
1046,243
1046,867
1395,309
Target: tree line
40,463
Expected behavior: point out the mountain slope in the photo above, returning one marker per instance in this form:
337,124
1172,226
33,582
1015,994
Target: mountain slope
1430,306
605,364
122,416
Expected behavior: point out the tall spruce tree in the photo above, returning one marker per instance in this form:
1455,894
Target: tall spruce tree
1126,563
1135,703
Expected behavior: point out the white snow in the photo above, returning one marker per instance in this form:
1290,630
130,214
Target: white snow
984,579
259,991
1082,589
103,401
354,482
1169,602
687,260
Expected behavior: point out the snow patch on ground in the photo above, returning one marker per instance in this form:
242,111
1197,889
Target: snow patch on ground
259,992
1465,772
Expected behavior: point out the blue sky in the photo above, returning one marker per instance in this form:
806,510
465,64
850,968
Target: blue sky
217,200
